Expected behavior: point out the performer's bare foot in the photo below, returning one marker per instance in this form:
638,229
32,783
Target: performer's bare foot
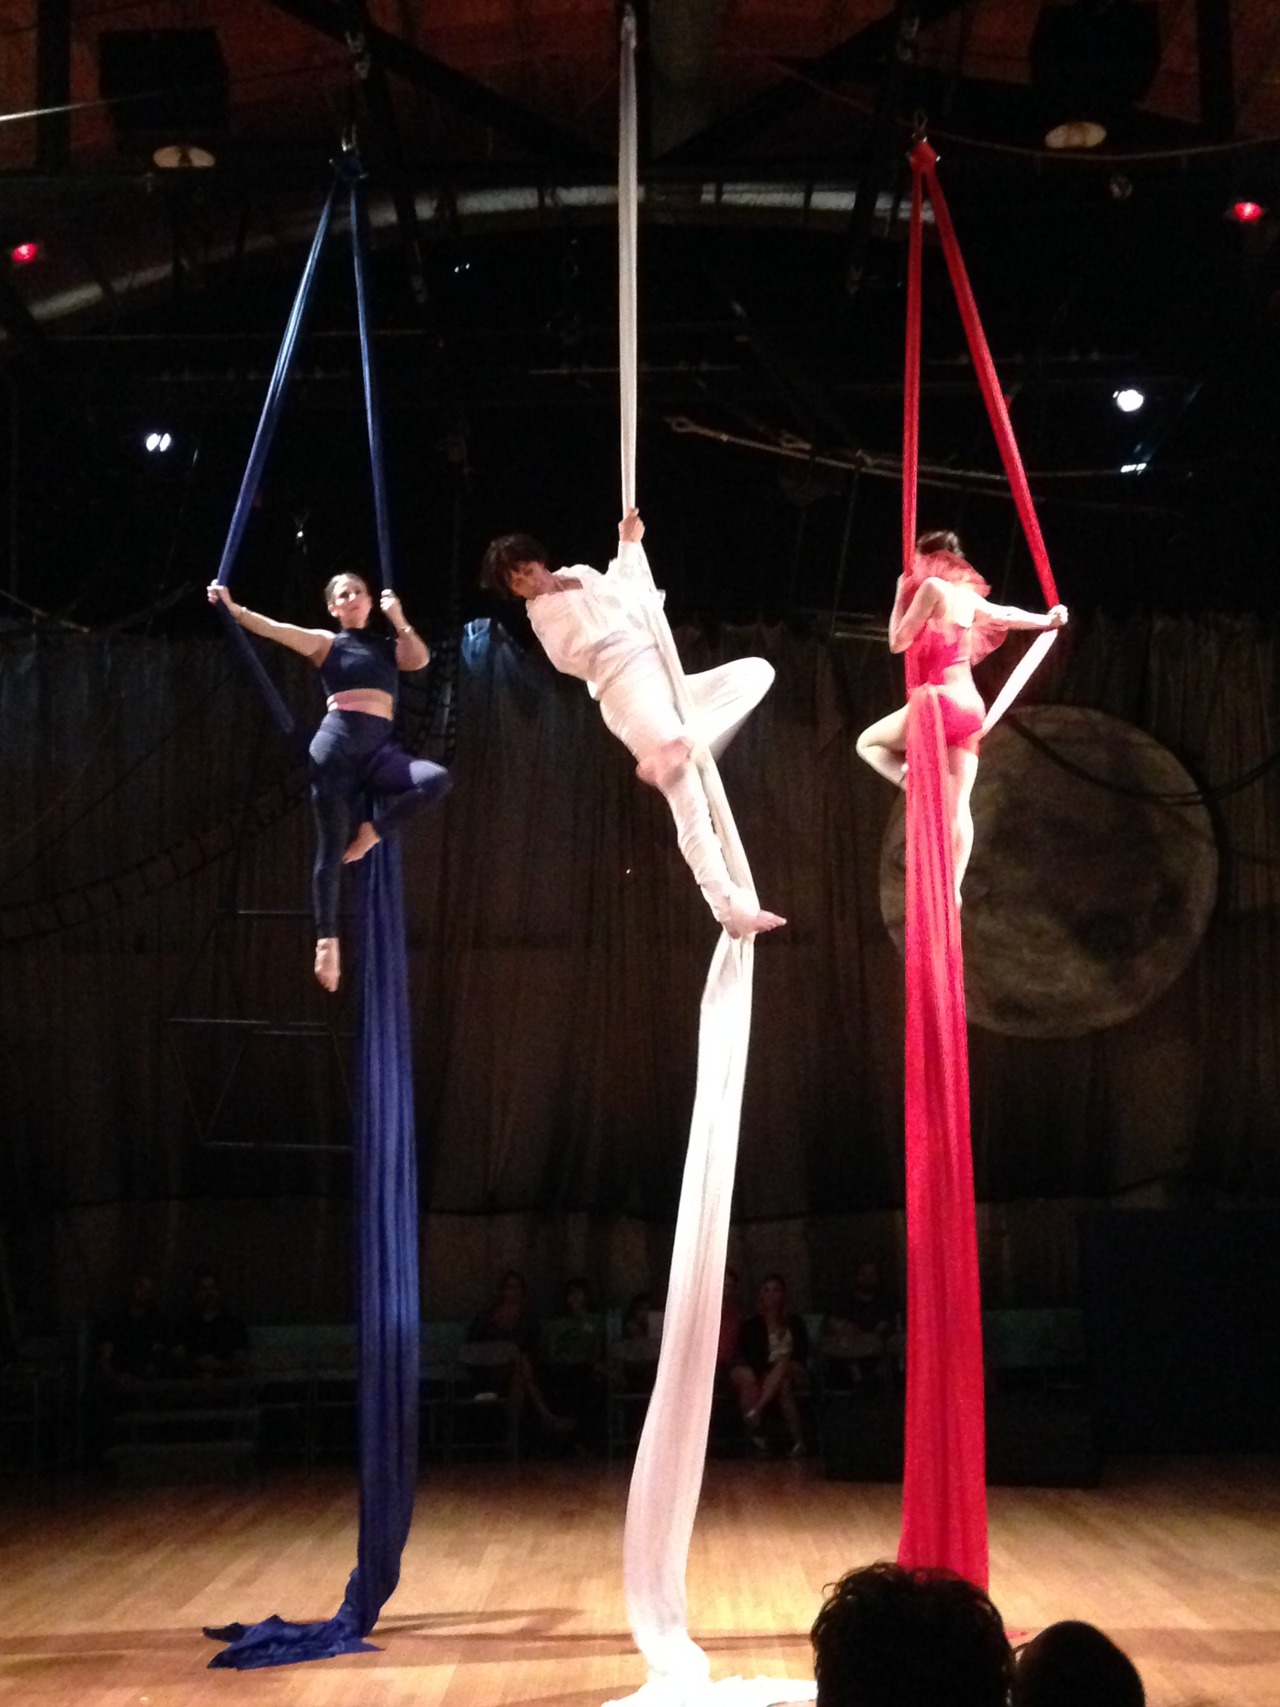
745,917
756,925
366,837
662,766
328,968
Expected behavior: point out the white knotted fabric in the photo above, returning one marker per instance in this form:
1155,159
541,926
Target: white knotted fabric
667,1477
1019,676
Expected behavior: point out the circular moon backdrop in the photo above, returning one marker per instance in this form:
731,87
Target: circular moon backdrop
1093,875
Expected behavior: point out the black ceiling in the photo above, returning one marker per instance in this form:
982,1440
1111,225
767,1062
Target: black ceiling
771,349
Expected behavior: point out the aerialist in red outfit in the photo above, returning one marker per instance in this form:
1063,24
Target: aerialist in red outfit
943,611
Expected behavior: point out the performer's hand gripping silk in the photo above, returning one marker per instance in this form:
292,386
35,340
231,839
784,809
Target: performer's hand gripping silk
942,609
363,783
593,626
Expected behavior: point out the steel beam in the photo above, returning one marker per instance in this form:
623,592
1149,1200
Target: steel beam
864,54
402,59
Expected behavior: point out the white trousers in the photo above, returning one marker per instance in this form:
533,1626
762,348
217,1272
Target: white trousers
638,708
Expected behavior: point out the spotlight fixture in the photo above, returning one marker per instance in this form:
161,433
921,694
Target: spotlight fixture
1128,399
1078,133
1246,212
158,442
183,157
1091,62
22,254
168,90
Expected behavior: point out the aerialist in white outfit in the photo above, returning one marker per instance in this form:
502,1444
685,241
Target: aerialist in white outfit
594,626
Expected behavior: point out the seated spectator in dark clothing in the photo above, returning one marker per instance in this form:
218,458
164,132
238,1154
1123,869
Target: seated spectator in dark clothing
858,1331
573,1365
731,1320
509,1319
133,1345
771,1365
889,1637
210,1342
1075,1665
636,1357
576,1335
635,1318
870,1306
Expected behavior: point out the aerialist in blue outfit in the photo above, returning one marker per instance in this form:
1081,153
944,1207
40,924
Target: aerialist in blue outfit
363,783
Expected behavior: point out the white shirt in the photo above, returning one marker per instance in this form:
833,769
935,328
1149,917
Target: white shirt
597,628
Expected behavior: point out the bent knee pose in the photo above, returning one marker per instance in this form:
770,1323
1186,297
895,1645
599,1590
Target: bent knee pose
363,784
942,611
593,626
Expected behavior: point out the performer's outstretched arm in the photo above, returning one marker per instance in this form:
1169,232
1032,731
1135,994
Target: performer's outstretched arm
1010,616
313,643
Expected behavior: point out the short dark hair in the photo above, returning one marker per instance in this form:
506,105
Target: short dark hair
506,553
1072,1662
942,539
891,1637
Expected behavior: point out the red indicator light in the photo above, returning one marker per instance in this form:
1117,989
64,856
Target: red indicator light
22,254
1246,213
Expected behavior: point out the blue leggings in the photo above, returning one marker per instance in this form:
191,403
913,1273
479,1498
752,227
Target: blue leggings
359,772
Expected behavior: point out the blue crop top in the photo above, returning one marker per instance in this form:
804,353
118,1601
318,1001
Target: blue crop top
360,660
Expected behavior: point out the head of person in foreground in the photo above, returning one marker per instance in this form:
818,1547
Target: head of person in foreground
891,1637
1070,1663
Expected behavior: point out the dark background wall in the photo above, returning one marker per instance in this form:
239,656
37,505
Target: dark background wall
558,948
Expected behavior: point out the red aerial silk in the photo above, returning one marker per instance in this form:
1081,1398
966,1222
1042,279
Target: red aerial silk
944,1505
944,1502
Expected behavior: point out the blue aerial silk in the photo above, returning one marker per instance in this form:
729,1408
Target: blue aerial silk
386,1197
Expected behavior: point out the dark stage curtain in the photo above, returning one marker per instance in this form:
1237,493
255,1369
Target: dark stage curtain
557,948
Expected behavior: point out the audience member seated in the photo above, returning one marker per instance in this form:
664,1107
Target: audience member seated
1075,1665
510,1319
770,1366
731,1320
133,1344
889,1637
210,1343
858,1331
635,1318
634,1361
574,1361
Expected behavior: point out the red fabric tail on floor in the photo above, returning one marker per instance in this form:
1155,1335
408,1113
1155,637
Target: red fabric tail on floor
944,1500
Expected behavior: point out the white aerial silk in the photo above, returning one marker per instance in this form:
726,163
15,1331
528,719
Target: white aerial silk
667,1478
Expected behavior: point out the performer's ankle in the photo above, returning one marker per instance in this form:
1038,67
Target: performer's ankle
328,962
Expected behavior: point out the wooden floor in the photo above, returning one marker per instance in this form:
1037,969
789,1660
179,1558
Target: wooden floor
511,1589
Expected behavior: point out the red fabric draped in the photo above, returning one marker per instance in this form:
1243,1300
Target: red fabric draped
944,1501
944,1504
923,164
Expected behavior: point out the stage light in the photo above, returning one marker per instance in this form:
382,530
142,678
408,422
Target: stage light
1077,133
158,442
1128,398
1132,467
22,254
183,157
1246,212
